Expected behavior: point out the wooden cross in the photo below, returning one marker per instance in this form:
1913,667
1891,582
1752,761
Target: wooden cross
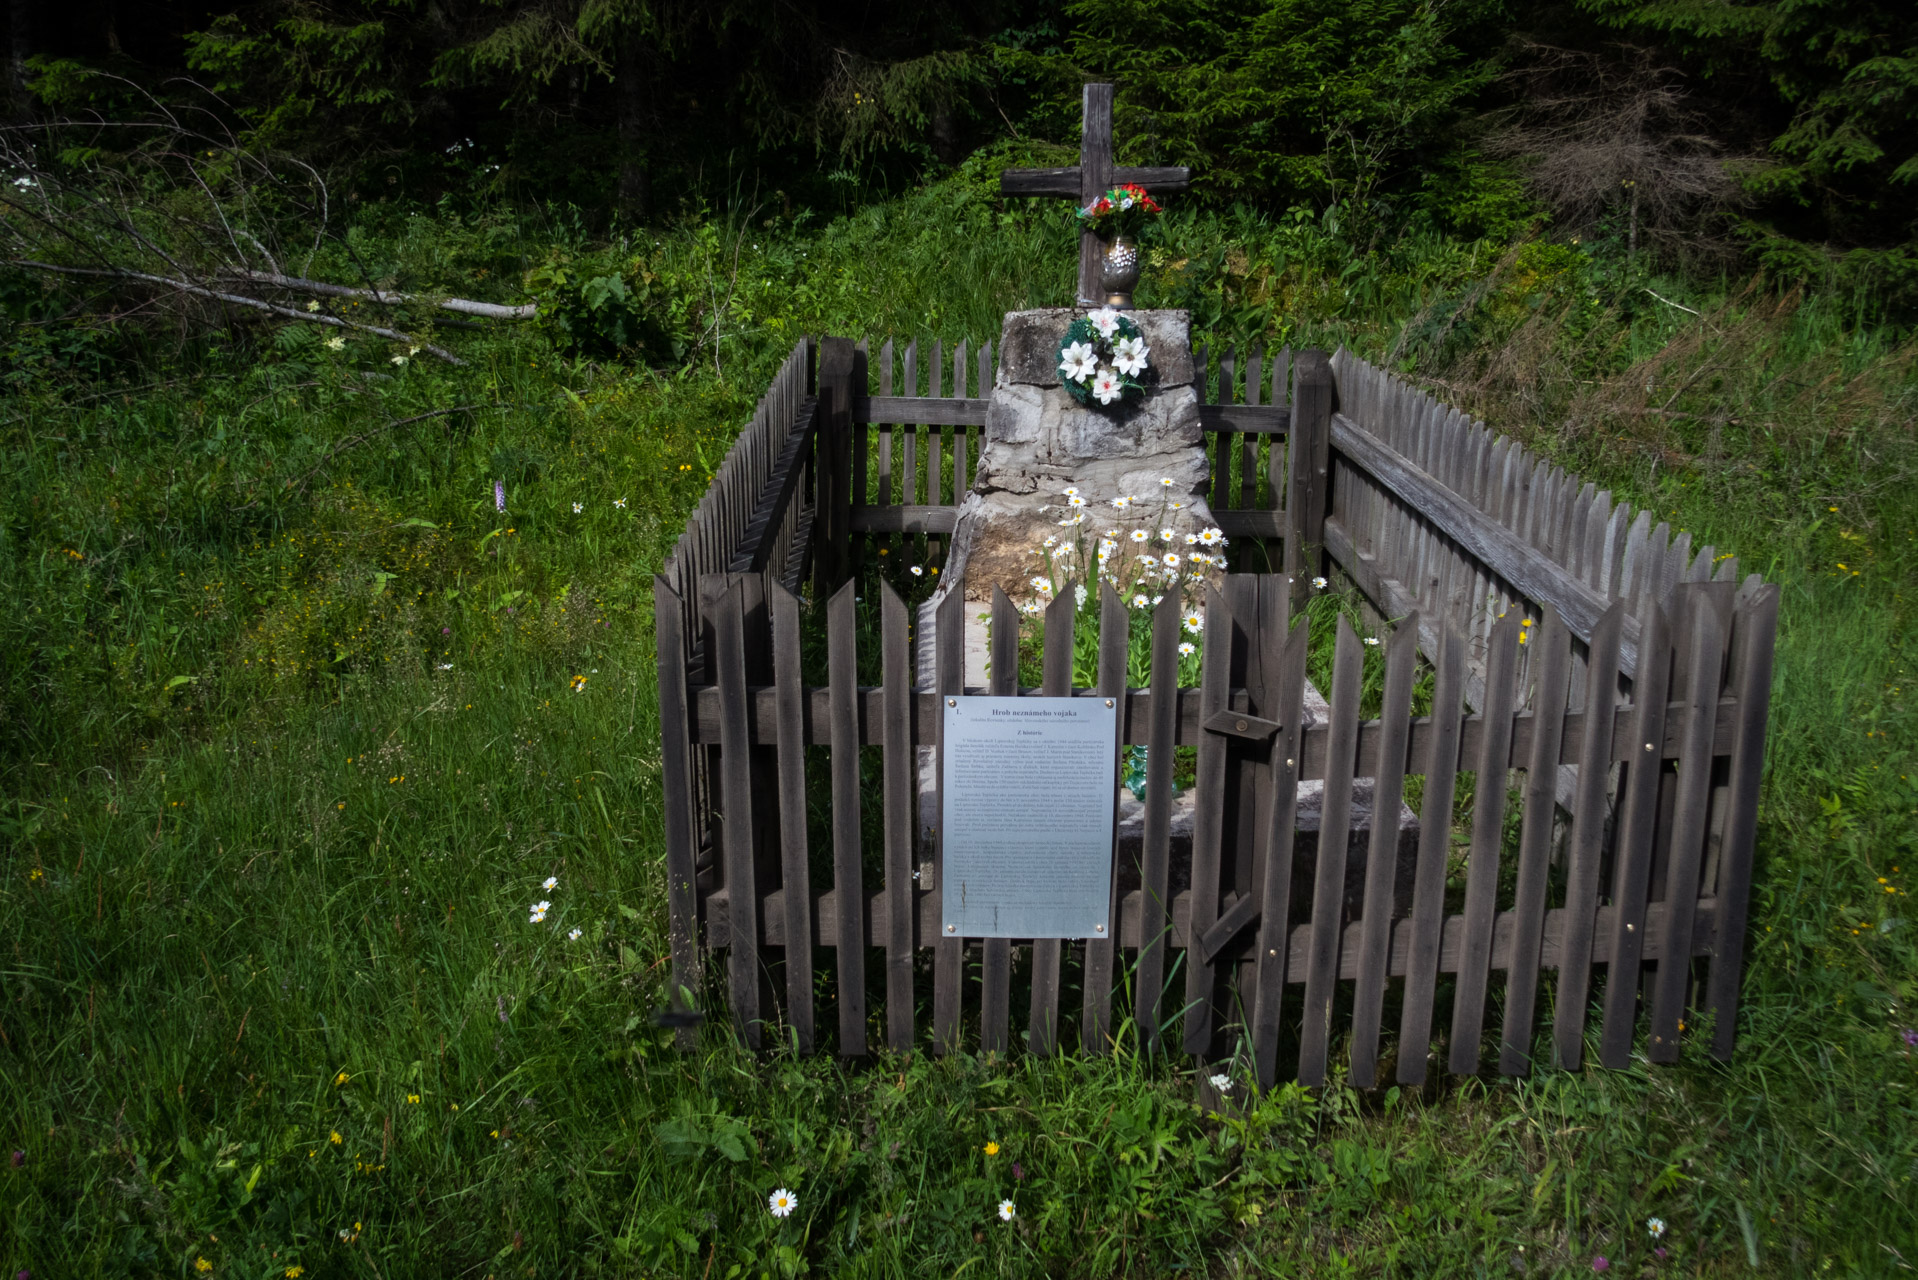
1091,178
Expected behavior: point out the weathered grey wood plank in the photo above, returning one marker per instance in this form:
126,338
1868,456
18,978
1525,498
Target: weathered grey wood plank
1328,892
1381,865
842,666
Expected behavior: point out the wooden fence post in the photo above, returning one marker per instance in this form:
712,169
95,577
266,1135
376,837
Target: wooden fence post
1314,396
832,517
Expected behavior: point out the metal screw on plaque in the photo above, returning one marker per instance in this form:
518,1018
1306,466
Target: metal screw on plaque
1241,726
952,928
1108,702
952,702
1098,928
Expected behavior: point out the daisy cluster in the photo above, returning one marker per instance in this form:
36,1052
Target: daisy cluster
1140,555
1103,357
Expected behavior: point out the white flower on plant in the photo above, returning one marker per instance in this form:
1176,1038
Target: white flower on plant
313,306
542,906
1075,501
1318,584
572,935
446,666
1191,539
1042,585
1178,506
1139,601
336,344
918,571
1194,621
782,1202
619,504
1167,535
1122,502
1155,601
1372,641
1212,537
413,350
578,507
1078,362
1170,559
551,882
1079,596
1077,517
1140,535
1106,321
1050,541
1007,1211
1187,648
1107,387
1166,481
1129,356
536,916
1655,1227
1071,491
1222,1082
397,360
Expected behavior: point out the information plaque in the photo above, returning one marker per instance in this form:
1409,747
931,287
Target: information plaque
1027,788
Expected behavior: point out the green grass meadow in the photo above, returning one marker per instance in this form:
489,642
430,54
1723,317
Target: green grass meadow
295,724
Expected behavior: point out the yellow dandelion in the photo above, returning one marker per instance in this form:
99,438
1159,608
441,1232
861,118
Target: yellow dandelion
335,1138
202,1265
992,1148
413,1097
294,1272
341,1078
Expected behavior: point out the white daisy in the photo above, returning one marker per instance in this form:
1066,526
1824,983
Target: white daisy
1140,535
1372,640
551,882
578,507
1071,491
1170,559
1042,585
572,935
1007,1211
1212,537
1166,535
1187,648
1318,584
1122,502
1139,601
782,1202
1655,1227
918,572
1075,501
1166,481
1194,621
619,503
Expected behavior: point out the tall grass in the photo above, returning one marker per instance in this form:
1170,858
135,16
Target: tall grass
286,767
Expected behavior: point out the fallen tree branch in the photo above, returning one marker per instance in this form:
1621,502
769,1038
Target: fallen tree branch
464,306
354,441
241,300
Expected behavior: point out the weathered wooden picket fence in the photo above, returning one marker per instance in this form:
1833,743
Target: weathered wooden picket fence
1625,682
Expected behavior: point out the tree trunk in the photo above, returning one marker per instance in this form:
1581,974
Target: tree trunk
25,41
629,94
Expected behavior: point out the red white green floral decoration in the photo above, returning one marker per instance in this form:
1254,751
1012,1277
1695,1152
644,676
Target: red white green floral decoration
1104,357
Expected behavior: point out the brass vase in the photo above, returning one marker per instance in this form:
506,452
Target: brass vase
1119,271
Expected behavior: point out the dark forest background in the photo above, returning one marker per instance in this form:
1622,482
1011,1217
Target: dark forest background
1782,134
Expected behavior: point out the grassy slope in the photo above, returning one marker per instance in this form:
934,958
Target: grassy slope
273,820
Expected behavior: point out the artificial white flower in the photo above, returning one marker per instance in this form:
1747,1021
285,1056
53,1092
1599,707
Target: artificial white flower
1007,1211
1129,356
336,344
1078,362
551,882
1107,387
1106,321
1194,621
782,1202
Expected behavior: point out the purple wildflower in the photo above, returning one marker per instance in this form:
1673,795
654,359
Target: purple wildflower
499,497
1600,1264
1659,1253
1018,1174
1911,1038
19,1159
